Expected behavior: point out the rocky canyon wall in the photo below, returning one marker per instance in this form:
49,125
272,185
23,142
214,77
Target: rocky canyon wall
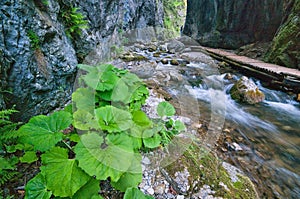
38,59
232,23
285,47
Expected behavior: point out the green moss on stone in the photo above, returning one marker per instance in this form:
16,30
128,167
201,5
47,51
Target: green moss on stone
286,44
174,16
206,169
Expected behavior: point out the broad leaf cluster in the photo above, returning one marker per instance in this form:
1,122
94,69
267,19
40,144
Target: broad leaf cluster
110,132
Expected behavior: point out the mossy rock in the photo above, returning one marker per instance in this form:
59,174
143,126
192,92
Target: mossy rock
245,90
156,54
199,169
174,62
127,57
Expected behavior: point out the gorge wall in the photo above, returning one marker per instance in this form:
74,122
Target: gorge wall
235,23
38,59
232,23
285,47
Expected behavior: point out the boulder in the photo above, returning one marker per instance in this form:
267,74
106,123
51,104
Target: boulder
129,56
174,62
175,46
199,174
245,90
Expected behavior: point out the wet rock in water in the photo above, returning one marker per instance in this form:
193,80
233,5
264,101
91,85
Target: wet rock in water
175,46
128,57
164,61
163,48
228,76
298,97
174,62
245,90
156,54
152,48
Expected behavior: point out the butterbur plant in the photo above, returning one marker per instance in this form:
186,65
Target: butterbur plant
110,132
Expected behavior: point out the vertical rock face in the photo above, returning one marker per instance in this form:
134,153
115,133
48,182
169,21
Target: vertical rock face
38,60
285,48
38,68
232,23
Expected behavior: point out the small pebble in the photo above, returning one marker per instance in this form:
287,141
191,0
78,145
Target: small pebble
150,191
146,161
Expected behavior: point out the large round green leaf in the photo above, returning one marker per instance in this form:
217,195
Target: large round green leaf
36,188
63,176
84,120
132,177
84,99
113,119
165,109
107,81
90,190
105,158
44,132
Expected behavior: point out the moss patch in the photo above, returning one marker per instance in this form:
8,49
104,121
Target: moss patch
203,169
286,44
174,16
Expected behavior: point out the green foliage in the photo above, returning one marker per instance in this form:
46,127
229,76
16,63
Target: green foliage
7,128
34,39
36,188
63,176
112,119
44,132
45,2
74,21
172,17
29,157
7,138
134,193
111,130
165,109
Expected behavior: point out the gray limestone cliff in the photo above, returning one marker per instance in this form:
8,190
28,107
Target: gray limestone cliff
38,59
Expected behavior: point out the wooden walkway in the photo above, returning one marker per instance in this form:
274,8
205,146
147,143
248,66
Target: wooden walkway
284,75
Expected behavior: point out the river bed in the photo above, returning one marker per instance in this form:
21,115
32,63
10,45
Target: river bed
262,139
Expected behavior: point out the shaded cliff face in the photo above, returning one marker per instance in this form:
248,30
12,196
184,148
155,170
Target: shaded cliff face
38,60
232,23
285,48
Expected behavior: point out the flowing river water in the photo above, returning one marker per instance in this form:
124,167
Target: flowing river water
268,134
262,139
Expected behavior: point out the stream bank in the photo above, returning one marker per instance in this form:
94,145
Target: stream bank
247,136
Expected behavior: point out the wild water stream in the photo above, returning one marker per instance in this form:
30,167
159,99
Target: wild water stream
268,134
262,139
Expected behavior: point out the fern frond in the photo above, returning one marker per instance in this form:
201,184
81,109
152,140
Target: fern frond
6,175
7,127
